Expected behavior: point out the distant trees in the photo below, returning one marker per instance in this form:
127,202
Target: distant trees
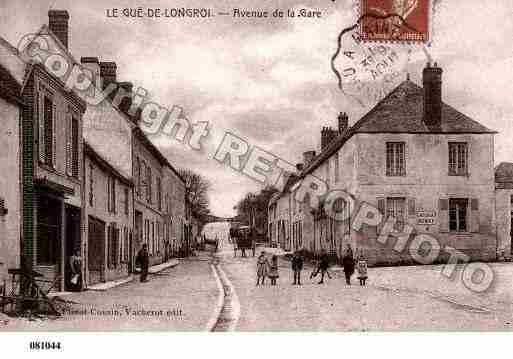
196,192
252,209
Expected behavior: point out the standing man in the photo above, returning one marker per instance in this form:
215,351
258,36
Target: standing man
348,263
143,260
322,266
297,266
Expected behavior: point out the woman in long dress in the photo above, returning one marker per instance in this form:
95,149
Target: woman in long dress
262,264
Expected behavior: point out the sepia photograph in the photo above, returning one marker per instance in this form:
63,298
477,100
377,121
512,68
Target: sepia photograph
284,166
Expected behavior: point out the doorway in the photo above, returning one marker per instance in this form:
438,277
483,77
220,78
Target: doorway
72,242
96,250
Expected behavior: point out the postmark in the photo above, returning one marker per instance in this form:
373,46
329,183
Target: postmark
394,20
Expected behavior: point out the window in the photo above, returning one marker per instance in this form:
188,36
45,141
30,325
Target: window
148,184
47,136
144,178
159,193
126,201
458,214
395,159
91,185
337,168
327,171
152,238
138,176
458,158
111,195
395,209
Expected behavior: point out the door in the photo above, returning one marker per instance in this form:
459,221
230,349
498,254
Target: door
96,250
72,243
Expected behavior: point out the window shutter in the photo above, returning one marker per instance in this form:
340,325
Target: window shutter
474,215
411,207
68,144
54,137
41,132
381,209
443,214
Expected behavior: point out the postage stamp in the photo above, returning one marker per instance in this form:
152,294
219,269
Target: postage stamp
394,20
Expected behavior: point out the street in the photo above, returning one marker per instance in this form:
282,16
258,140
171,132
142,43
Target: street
219,289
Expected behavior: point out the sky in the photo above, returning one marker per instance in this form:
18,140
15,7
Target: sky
269,81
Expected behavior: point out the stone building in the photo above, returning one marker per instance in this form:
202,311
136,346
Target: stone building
416,159
504,208
108,212
11,107
174,214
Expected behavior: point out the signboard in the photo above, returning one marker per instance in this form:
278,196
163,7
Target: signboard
426,218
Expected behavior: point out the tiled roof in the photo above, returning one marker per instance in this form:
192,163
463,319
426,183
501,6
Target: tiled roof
9,88
504,175
401,111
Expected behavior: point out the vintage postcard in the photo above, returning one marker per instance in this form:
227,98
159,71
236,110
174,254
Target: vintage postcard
290,166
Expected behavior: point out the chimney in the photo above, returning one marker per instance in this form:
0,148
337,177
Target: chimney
343,122
308,156
432,83
126,102
299,167
58,24
92,64
108,73
327,135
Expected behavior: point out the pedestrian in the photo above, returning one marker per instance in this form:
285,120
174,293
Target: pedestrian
348,264
273,270
75,267
297,267
322,266
262,264
143,260
361,267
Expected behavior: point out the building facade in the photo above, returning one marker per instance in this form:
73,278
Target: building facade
418,161
108,212
11,107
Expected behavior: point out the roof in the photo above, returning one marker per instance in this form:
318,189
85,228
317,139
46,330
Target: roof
401,111
9,88
89,150
291,180
155,151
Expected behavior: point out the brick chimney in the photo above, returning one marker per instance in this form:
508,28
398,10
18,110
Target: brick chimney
343,122
92,64
308,157
108,72
327,135
58,24
432,83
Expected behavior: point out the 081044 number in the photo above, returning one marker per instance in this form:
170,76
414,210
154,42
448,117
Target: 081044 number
45,345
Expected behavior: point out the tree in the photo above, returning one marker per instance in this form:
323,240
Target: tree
252,209
196,193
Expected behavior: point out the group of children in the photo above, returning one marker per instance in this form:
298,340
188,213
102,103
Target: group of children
270,269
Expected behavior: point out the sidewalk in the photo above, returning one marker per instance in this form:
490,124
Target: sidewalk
114,283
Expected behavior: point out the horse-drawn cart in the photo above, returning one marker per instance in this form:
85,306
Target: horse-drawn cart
242,240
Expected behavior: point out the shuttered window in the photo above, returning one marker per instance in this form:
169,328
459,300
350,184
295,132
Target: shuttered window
127,205
91,185
458,158
395,165
74,146
396,209
458,214
48,131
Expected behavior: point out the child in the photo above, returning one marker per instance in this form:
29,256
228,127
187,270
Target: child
361,266
262,265
273,270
